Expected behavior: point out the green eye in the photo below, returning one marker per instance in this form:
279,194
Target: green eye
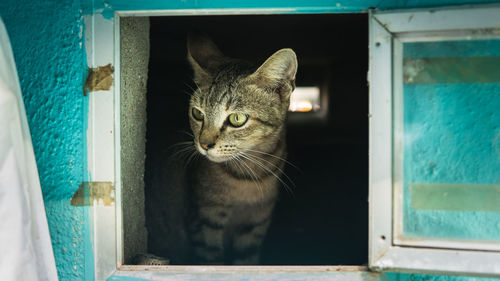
197,114
238,119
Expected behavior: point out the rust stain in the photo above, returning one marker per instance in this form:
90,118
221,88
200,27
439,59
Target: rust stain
100,78
88,192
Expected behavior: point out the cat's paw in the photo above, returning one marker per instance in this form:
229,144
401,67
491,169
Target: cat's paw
149,259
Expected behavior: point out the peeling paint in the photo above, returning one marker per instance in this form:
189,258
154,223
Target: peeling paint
99,79
90,193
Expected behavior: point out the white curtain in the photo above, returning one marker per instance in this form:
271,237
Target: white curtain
25,246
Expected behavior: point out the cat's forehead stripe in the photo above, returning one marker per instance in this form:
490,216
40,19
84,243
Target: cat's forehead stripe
224,84
220,92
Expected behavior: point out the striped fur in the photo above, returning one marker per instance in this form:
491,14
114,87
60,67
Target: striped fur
217,210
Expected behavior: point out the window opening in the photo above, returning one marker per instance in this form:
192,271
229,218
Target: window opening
324,220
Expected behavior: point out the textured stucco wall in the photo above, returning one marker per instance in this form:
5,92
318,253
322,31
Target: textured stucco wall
134,36
46,38
47,41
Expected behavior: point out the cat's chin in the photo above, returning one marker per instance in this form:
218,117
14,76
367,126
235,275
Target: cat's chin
216,159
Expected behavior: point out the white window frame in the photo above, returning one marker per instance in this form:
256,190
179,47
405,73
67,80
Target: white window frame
388,249
102,41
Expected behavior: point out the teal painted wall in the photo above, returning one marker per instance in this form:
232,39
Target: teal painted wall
107,7
47,40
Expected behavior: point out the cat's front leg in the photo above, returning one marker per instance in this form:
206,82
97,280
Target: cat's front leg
247,242
207,235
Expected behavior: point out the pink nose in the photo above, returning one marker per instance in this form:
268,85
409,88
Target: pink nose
207,146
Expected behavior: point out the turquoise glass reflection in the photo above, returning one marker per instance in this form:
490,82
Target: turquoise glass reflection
451,140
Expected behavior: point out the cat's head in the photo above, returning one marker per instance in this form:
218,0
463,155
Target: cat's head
237,107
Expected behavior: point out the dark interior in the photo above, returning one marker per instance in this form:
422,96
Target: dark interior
324,221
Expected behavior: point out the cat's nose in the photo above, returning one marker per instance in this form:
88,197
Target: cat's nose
207,146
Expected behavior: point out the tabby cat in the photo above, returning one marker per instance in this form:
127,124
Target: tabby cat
216,209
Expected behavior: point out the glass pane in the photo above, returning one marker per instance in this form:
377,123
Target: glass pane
451,140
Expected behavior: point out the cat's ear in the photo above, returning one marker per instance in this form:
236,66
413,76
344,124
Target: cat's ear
204,57
277,73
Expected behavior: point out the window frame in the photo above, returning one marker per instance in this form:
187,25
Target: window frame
388,250
102,37
102,41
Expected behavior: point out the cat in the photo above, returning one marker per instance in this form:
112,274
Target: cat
216,209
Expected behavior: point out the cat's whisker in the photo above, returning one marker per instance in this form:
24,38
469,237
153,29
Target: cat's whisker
234,161
186,133
182,143
189,94
274,165
274,156
246,168
196,84
265,168
252,175
181,153
193,155
191,87
258,164
287,187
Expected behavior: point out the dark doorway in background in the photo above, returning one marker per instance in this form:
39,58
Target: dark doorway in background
325,220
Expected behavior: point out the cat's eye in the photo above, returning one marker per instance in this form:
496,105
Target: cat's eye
197,114
238,119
